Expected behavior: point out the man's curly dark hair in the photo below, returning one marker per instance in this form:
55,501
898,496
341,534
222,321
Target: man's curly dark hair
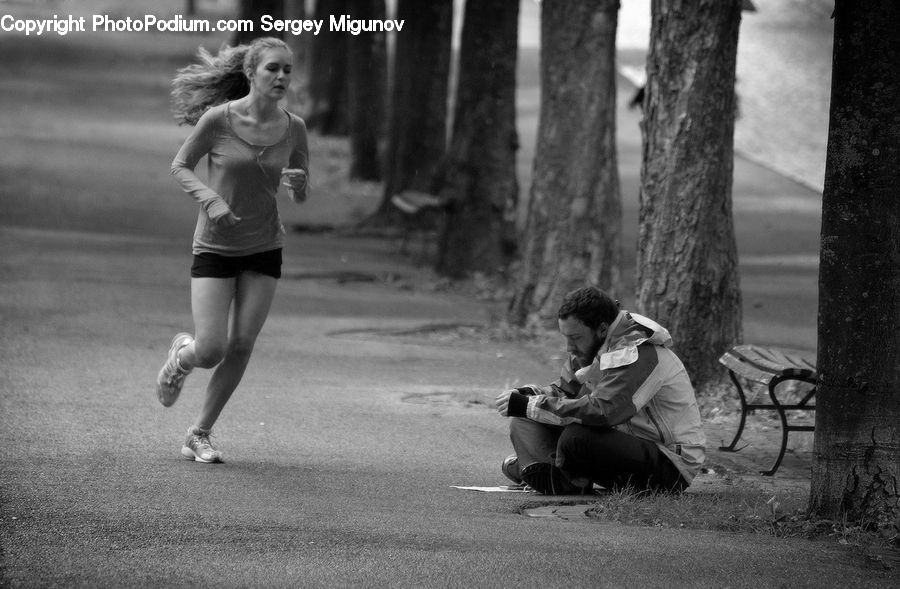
590,305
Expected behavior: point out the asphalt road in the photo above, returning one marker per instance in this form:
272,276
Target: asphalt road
341,446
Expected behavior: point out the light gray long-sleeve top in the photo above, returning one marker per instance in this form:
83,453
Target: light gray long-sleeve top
243,177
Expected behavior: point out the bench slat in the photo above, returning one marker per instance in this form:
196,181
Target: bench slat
800,361
413,201
742,368
786,359
794,365
774,361
759,358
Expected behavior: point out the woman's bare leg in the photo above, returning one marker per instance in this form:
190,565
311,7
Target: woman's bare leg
253,294
211,300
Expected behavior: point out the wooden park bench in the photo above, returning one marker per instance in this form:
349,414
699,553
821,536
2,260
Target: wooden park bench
771,367
421,212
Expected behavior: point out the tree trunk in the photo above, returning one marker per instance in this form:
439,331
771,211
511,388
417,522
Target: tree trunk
480,170
574,221
366,86
301,46
417,132
857,441
687,254
253,10
328,112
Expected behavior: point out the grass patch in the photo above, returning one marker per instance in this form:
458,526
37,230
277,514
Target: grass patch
746,510
731,510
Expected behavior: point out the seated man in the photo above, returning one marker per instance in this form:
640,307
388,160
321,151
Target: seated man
623,412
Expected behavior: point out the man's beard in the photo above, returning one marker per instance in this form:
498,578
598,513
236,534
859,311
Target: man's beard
588,359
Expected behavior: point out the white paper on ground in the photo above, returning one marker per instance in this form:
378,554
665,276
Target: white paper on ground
500,489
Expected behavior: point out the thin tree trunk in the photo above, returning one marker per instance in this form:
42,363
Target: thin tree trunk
857,442
573,227
328,112
366,85
417,132
687,254
301,46
480,171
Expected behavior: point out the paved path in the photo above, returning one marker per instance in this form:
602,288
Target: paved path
341,446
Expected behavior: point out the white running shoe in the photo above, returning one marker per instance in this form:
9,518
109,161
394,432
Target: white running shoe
171,376
197,447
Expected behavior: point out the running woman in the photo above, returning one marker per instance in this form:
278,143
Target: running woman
252,145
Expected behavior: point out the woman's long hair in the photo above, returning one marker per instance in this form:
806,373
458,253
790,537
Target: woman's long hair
217,78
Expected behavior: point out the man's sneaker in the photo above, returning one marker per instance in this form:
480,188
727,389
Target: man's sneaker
510,468
171,376
550,480
197,447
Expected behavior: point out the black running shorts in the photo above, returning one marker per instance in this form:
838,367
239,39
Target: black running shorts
207,265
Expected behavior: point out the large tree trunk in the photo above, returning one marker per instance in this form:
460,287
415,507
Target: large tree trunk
687,255
328,111
573,226
857,442
417,134
253,10
480,169
366,84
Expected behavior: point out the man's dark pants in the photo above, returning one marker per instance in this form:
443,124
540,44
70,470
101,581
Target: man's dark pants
605,456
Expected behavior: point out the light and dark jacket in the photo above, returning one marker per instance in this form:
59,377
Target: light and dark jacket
635,384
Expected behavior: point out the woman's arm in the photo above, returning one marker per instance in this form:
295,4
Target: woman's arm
197,145
299,160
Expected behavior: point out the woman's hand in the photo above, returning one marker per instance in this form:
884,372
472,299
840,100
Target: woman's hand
296,180
229,219
220,213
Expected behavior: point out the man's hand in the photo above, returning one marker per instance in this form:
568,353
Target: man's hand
502,402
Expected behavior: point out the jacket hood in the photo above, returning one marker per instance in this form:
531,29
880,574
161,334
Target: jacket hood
627,332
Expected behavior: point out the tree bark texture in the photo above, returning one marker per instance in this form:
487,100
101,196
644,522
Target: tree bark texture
253,10
417,133
366,85
480,169
687,253
573,226
301,46
857,440
329,112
